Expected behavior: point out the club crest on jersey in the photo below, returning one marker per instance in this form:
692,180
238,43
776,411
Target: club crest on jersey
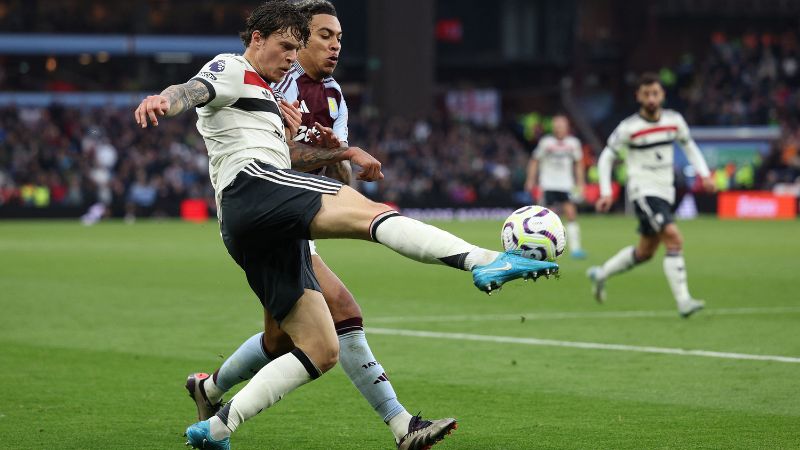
217,66
333,108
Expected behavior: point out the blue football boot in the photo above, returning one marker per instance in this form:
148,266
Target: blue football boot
198,435
510,266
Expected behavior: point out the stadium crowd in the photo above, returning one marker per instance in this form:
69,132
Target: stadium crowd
63,156
72,157
750,79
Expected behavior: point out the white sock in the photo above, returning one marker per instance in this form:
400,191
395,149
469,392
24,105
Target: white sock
573,236
425,243
268,386
622,261
399,424
675,270
213,392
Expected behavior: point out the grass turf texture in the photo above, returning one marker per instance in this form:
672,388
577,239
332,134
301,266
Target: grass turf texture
101,325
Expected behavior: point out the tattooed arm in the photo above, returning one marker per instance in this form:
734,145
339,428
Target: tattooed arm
306,158
171,102
184,96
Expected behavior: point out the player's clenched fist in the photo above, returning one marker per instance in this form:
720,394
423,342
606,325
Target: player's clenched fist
604,204
151,107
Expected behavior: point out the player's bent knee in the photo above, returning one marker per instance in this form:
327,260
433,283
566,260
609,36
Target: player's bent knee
327,356
644,255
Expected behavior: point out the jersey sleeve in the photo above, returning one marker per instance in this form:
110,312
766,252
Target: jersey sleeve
578,150
690,148
683,130
340,124
287,89
618,140
223,76
538,152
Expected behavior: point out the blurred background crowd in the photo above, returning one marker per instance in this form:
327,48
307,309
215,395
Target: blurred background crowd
470,148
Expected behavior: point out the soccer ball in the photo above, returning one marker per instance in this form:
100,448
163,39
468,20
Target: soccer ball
536,231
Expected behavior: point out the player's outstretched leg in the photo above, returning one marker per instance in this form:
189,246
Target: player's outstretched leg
349,214
428,244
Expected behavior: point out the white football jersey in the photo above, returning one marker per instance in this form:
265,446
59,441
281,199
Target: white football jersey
557,158
241,121
650,153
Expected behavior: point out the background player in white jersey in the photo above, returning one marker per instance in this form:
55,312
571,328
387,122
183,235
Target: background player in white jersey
555,166
649,138
268,212
324,118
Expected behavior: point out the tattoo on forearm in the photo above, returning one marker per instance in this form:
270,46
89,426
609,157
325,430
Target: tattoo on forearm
184,96
306,157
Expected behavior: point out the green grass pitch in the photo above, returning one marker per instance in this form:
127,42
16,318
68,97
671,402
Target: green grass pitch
101,325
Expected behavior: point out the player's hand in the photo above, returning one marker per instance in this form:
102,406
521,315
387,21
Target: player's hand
370,167
577,194
150,108
324,137
709,185
292,117
604,203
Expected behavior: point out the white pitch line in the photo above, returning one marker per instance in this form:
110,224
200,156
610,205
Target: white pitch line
582,315
583,345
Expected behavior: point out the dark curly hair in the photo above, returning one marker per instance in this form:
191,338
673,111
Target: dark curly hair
276,15
313,7
647,78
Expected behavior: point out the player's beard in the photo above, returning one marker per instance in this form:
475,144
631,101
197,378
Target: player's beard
652,110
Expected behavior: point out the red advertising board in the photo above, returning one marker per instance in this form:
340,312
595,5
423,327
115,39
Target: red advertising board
756,205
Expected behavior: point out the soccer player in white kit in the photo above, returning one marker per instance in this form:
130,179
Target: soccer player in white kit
555,166
649,137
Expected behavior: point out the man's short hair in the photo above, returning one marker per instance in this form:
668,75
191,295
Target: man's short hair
276,15
647,79
313,7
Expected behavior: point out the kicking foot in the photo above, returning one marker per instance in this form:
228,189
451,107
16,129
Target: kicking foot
194,384
198,435
423,434
689,307
510,266
598,283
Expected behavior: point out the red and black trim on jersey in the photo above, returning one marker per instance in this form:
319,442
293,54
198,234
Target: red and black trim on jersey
266,104
653,137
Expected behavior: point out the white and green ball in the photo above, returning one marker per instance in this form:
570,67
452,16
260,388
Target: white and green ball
536,231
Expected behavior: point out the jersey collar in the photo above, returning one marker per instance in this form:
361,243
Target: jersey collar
639,113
